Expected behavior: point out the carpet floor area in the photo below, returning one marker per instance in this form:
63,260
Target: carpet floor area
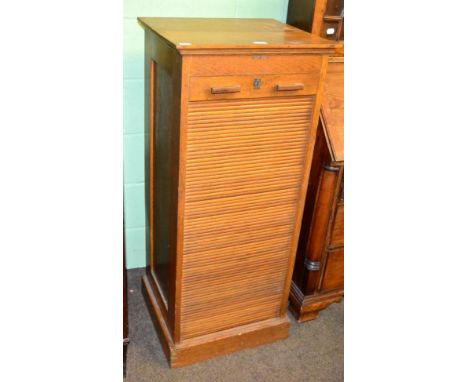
313,351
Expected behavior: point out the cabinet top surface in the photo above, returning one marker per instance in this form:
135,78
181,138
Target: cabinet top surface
333,109
216,33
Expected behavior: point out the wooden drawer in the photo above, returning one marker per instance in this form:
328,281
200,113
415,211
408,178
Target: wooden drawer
255,64
334,272
337,236
252,86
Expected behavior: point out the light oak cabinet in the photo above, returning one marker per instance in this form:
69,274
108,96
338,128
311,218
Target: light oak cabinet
232,108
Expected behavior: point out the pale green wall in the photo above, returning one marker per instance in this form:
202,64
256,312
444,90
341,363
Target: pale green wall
133,93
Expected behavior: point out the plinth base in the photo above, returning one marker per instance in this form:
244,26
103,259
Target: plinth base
215,344
307,307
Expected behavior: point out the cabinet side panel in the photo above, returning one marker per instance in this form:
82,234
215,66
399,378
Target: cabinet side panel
244,174
162,156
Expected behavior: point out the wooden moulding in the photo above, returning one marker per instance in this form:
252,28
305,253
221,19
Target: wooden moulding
306,308
215,344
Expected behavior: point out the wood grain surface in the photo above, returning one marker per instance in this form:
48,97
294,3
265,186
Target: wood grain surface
333,109
201,88
256,63
333,278
212,33
244,174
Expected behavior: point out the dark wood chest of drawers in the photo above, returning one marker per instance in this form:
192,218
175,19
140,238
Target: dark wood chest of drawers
318,278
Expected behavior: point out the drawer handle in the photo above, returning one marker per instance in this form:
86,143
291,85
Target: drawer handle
226,89
289,87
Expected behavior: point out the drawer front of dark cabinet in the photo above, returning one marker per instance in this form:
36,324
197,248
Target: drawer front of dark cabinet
333,278
337,235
